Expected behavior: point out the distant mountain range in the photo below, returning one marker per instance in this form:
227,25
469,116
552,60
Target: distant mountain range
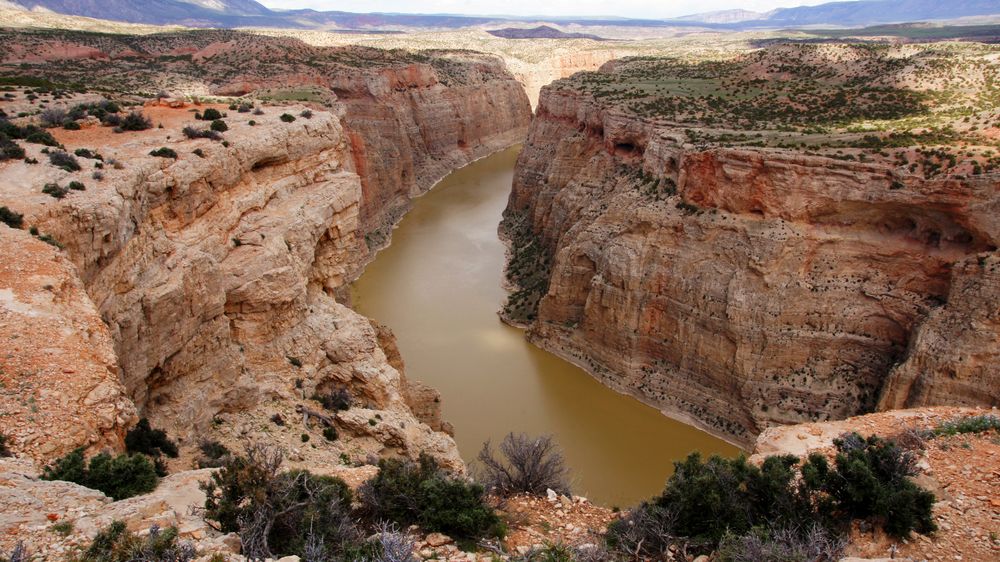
237,13
540,32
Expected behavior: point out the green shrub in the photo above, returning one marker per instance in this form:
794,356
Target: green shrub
11,218
213,454
10,150
279,512
164,152
287,118
153,442
330,433
55,190
135,121
77,186
71,126
871,481
421,493
116,543
120,477
219,126
211,114
705,501
971,424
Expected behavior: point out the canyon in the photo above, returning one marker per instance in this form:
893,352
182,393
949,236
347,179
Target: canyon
754,272
739,287
217,272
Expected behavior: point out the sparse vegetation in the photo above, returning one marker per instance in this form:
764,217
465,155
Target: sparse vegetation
287,117
420,493
120,477
970,424
529,465
11,218
135,121
164,152
64,161
116,543
55,190
336,400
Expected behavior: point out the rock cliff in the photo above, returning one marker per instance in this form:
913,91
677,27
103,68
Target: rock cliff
742,287
218,271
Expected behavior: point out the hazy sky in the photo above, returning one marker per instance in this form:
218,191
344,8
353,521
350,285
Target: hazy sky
628,8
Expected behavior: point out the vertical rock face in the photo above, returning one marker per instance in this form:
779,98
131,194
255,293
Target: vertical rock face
773,288
218,272
59,386
408,130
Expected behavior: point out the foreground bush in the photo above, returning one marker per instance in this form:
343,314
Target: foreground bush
120,477
528,465
817,544
705,501
117,544
280,513
871,480
151,442
409,493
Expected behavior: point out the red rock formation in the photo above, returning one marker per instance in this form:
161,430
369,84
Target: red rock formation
774,288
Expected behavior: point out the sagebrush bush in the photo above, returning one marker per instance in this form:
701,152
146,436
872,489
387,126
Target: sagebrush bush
10,150
213,454
196,133
421,493
211,114
529,465
64,160
971,424
276,512
119,477
817,544
18,554
116,543
135,121
11,218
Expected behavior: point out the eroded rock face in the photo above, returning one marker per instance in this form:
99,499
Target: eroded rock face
772,288
59,385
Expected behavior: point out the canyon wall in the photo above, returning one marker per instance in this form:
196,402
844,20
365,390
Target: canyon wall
218,272
770,287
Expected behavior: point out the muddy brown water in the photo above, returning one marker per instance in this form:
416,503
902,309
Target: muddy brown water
438,288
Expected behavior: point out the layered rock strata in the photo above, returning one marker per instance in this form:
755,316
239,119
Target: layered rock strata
218,271
754,286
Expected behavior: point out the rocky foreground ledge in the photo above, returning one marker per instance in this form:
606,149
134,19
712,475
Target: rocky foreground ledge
962,470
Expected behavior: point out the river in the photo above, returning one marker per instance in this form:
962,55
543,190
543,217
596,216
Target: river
438,288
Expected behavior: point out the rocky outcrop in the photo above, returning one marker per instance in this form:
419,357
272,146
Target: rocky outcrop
59,385
218,271
954,357
741,288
